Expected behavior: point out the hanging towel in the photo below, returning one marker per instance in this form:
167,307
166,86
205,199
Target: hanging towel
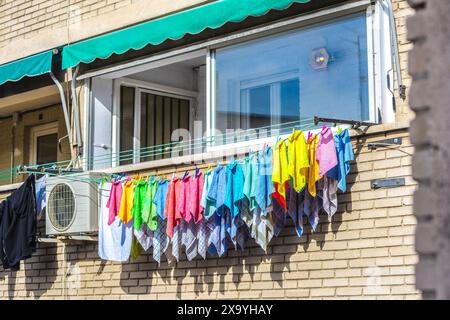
329,195
114,200
298,160
149,210
126,203
313,170
280,175
144,236
183,198
278,217
18,225
217,191
189,238
248,205
234,192
161,240
296,208
345,155
140,195
326,151
114,241
195,196
171,211
160,197
208,205
204,230
136,248
262,226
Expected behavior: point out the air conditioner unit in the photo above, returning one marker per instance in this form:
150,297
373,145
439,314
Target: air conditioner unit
72,204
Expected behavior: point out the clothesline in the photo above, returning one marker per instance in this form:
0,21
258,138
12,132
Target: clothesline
213,210
161,149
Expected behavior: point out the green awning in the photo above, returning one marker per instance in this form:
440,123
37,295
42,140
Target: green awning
27,67
193,21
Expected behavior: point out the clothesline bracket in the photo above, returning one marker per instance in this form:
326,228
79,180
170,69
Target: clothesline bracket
33,169
354,123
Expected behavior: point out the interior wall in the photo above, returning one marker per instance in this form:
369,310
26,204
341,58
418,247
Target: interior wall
22,138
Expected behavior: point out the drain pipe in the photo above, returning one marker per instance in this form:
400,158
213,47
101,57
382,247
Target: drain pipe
394,48
64,106
15,118
75,111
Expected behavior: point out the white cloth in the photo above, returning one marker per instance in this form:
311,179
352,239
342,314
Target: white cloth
114,241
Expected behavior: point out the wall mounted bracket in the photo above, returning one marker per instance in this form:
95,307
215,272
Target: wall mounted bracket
387,183
384,143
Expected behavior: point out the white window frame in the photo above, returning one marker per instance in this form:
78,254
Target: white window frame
379,55
148,87
39,131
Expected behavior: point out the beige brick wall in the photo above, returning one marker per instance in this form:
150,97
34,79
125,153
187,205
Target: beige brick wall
366,252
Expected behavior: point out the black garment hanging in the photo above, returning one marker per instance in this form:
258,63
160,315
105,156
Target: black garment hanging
18,225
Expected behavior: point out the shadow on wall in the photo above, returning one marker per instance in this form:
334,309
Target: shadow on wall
39,271
238,263
144,276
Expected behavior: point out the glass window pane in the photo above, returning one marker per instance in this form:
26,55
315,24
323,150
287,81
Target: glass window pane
47,150
162,116
147,126
317,70
159,132
290,101
184,114
126,124
255,112
167,123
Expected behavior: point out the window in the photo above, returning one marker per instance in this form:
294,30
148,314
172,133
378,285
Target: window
160,116
148,121
291,77
44,144
126,124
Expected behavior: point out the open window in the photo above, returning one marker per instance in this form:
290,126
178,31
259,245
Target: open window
260,83
148,110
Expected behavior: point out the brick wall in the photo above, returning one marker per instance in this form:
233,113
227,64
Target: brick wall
366,252
31,26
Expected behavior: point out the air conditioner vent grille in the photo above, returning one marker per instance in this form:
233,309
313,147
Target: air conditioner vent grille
61,206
